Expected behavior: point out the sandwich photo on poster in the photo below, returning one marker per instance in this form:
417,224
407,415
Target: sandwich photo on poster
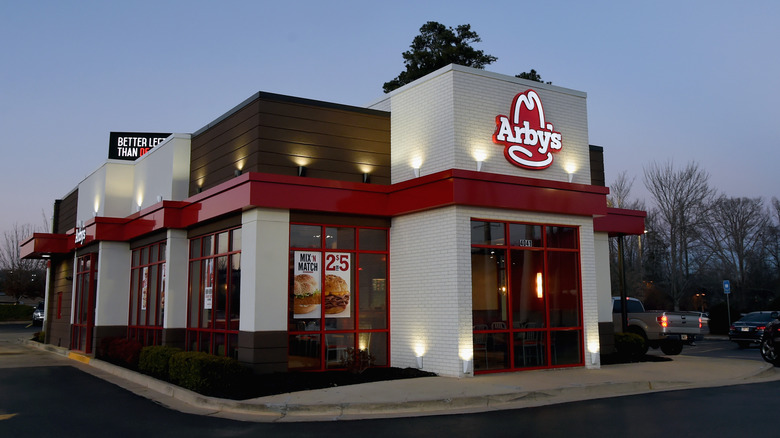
306,285
337,285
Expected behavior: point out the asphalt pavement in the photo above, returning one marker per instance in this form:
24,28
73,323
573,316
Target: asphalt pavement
427,395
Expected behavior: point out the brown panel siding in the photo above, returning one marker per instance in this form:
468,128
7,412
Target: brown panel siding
597,177
58,329
276,134
65,218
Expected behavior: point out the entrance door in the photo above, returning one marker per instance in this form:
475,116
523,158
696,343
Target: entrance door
84,310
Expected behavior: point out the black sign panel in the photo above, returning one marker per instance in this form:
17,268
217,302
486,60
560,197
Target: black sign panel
131,145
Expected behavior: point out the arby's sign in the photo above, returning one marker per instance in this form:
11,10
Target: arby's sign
529,141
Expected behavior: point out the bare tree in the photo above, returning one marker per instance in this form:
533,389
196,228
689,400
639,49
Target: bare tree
620,193
734,232
620,197
773,235
21,277
682,199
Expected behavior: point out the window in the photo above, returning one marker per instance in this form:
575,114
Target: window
215,293
338,295
526,296
84,304
147,294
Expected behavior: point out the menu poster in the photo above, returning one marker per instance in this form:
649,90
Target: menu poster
306,293
209,289
162,287
144,286
336,291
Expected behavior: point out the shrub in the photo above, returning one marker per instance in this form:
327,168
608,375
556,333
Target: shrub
10,312
120,351
205,373
357,361
630,345
39,336
155,360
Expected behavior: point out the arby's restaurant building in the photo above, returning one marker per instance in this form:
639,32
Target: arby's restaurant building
458,224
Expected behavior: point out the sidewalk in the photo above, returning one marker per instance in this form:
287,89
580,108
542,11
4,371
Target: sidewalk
442,395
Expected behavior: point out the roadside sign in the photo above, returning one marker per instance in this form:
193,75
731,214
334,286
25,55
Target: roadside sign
726,287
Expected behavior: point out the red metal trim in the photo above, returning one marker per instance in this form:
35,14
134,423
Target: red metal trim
547,330
620,221
212,329
355,330
84,323
450,187
40,243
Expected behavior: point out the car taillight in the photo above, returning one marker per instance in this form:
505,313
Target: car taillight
761,327
663,321
700,322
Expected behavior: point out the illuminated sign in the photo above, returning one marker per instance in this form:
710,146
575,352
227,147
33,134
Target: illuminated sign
529,141
81,235
131,145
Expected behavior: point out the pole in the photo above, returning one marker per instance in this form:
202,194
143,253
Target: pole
623,300
728,308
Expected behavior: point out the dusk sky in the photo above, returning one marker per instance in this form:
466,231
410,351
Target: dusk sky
677,81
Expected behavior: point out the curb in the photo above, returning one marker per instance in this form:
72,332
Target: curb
280,412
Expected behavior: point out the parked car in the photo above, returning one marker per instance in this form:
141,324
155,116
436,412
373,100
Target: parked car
750,328
37,318
770,343
668,330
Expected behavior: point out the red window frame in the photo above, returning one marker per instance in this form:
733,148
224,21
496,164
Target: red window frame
213,334
484,331
359,335
84,304
144,325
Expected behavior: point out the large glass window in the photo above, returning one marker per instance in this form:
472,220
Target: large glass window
147,294
214,296
526,296
338,295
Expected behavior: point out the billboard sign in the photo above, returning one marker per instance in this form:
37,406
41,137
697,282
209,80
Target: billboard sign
131,145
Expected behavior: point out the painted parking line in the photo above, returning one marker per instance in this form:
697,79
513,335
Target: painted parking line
79,357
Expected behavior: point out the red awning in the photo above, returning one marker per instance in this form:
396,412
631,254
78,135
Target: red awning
620,221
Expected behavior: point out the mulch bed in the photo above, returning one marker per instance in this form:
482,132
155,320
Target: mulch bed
260,385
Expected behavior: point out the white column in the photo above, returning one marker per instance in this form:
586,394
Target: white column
265,247
176,285
113,284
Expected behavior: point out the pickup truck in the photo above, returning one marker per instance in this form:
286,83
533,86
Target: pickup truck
668,330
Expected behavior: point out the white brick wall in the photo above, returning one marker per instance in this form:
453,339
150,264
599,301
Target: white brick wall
430,274
426,298
447,117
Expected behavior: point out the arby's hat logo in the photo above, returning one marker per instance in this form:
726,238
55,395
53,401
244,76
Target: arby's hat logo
529,141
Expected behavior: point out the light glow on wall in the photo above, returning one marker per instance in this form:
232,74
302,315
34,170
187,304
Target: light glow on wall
416,165
593,349
302,161
570,168
365,168
539,289
419,349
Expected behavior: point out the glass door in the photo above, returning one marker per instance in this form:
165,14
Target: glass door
84,310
